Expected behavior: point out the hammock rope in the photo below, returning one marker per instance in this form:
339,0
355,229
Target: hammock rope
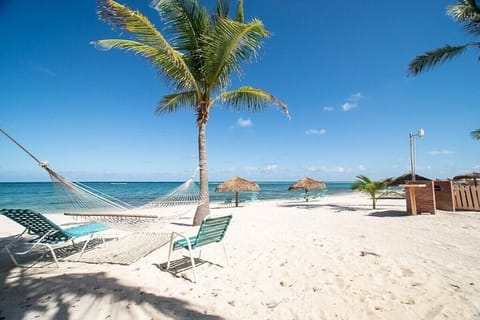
92,204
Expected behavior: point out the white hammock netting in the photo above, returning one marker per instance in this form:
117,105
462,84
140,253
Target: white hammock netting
92,204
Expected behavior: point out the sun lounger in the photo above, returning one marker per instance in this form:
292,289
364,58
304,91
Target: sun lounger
46,233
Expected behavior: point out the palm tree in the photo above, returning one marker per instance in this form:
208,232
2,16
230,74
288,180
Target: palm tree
466,12
475,134
370,187
196,56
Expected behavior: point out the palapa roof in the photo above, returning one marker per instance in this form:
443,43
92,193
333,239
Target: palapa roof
472,175
237,184
406,177
469,176
307,184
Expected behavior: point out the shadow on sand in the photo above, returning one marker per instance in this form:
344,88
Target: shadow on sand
31,292
389,214
312,205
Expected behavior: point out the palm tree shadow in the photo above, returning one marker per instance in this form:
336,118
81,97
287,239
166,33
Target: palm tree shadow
32,292
100,292
389,214
313,205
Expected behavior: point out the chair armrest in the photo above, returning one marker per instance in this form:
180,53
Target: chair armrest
172,238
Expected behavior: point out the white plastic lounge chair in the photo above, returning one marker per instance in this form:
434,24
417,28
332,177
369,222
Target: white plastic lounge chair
46,233
212,230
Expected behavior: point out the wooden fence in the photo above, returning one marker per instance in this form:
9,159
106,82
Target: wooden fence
467,198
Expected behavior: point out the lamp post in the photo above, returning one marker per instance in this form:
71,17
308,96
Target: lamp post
412,136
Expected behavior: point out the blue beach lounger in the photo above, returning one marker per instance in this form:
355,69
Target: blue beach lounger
212,230
46,233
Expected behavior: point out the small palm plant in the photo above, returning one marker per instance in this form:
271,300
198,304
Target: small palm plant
368,186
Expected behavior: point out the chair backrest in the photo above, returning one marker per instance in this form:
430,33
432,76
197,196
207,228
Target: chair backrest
212,230
36,224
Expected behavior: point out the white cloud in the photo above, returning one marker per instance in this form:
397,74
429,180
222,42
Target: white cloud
348,105
325,169
339,169
44,70
271,167
352,101
356,96
440,152
328,109
243,123
361,167
318,132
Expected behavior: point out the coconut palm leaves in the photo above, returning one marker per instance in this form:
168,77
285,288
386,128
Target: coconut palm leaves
196,55
368,186
249,98
466,12
476,134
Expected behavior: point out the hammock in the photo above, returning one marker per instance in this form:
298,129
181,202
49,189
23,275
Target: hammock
91,204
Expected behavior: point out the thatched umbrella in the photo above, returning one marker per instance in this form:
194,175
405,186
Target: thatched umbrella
406,177
469,176
307,184
237,184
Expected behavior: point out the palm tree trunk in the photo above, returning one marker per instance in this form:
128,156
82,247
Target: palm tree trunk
374,200
203,209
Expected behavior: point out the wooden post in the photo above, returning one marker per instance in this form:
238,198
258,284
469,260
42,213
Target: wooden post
413,201
411,194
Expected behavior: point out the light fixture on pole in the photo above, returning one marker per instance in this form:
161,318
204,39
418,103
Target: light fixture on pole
412,136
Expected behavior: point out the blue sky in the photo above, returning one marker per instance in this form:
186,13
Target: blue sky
339,66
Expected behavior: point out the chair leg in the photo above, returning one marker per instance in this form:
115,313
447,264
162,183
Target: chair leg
226,253
192,259
170,251
12,242
85,246
11,256
53,254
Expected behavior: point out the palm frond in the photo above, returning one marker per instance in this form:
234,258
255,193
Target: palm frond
240,12
468,12
143,30
475,134
250,99
229,45
184,20
361,182
167,71
464,10
365,184
176,101
223,8
432,58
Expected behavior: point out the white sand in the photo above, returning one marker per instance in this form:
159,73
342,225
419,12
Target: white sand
334,258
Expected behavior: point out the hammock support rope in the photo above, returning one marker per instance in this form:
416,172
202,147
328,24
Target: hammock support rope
98,206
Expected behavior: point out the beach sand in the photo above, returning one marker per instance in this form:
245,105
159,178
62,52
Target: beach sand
333,258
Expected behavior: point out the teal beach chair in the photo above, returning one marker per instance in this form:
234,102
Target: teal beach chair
46,233
212,230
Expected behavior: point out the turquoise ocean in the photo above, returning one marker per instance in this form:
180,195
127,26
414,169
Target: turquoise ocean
42,196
